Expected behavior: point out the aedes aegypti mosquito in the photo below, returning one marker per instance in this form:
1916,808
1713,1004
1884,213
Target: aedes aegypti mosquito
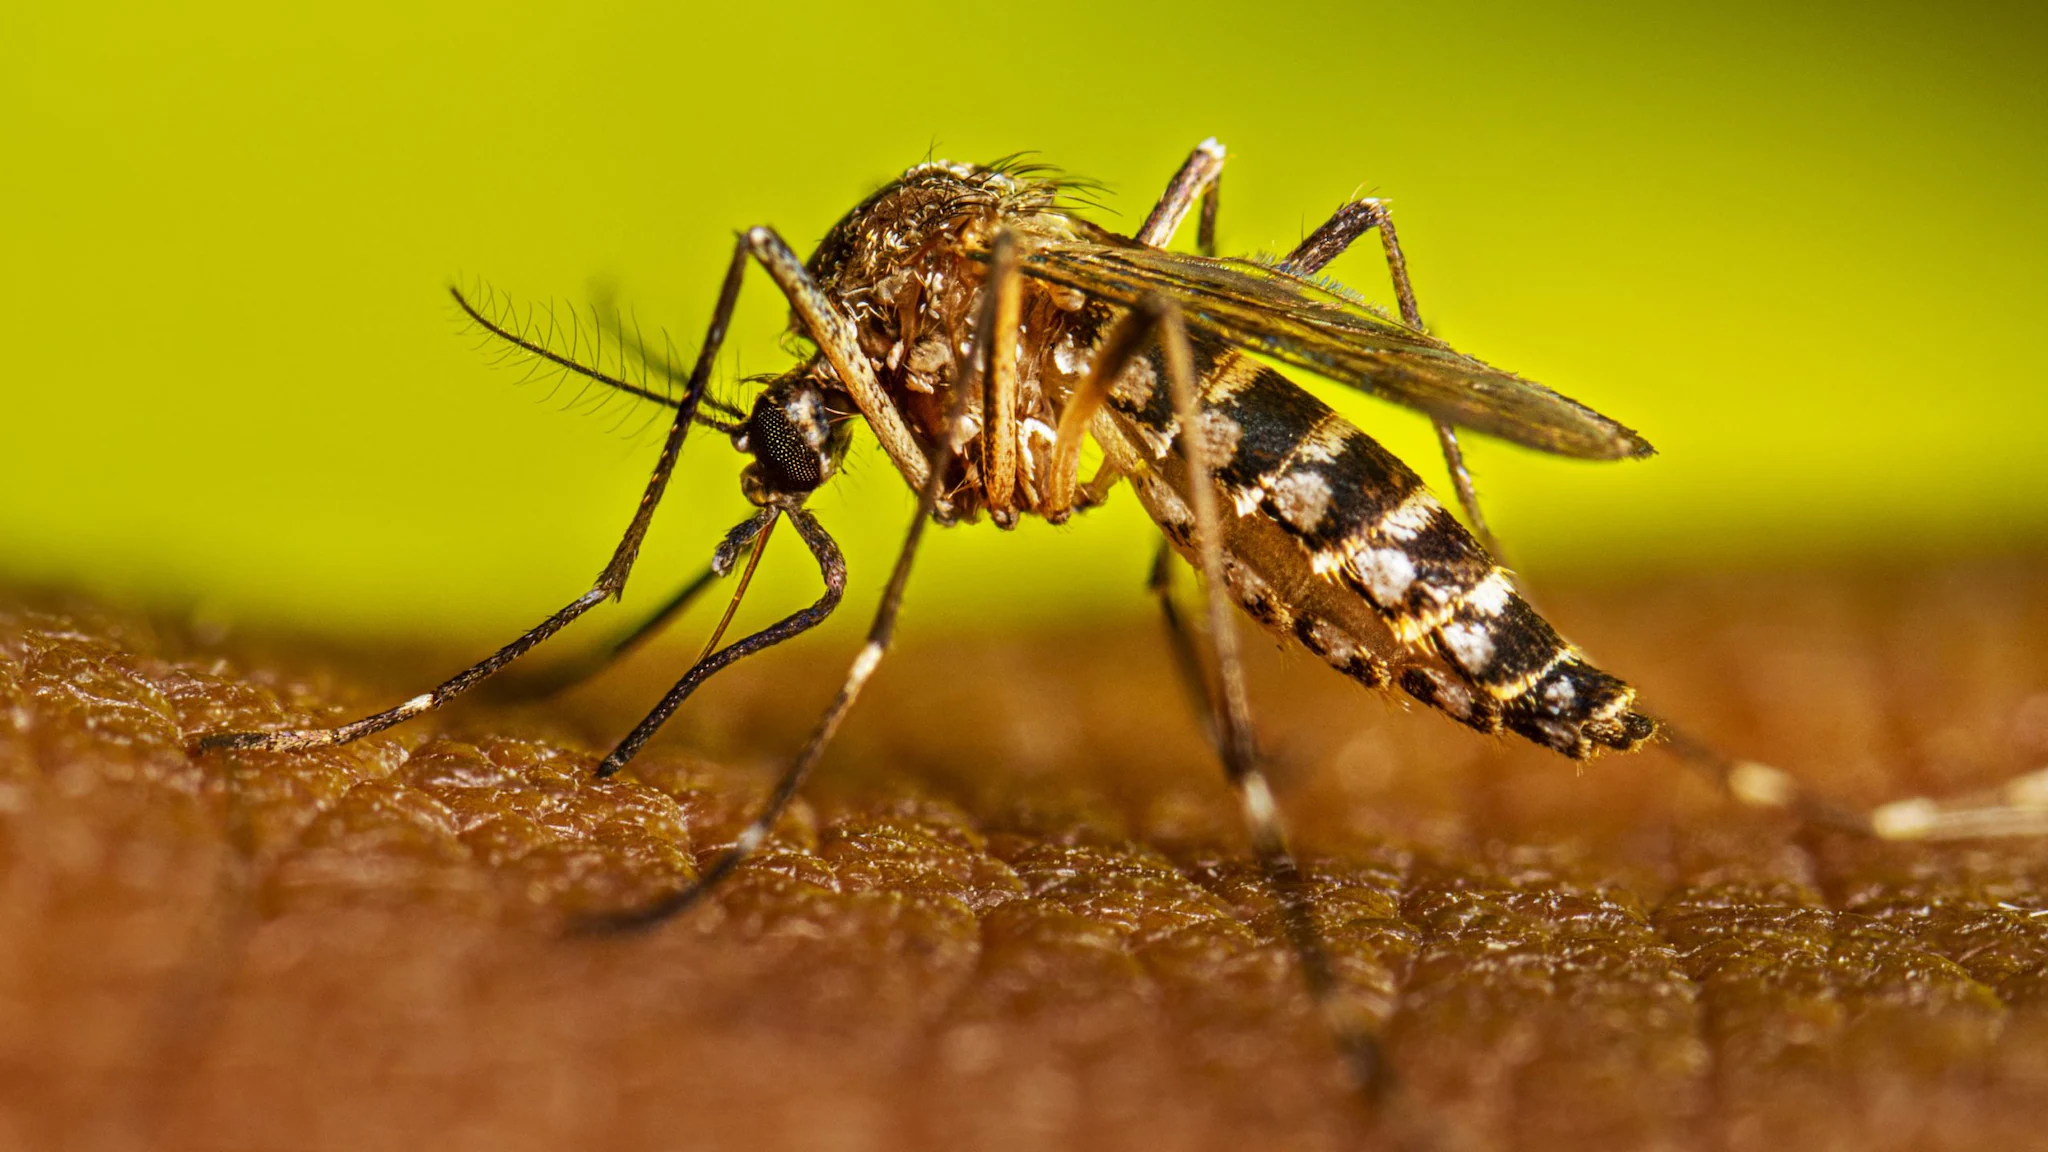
983,332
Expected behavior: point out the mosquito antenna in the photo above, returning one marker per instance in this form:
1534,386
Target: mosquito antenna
663,362
549,344
640,343
668,356
566,363
735,418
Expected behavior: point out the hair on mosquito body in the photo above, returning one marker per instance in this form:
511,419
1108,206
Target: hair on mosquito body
983,334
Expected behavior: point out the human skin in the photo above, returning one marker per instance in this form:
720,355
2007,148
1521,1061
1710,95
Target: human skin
1015,909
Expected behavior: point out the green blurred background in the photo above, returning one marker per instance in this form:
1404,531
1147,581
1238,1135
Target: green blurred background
1802,252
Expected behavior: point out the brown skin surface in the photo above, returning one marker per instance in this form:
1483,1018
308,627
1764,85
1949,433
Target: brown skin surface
1015,910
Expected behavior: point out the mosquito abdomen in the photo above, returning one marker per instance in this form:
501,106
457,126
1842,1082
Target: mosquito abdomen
1317,511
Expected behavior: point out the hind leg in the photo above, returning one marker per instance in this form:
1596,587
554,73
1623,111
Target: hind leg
1326,244
1157,321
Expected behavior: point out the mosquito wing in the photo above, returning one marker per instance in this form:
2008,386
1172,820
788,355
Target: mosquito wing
1296,321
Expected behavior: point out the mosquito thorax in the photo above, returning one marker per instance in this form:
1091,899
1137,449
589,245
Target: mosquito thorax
795,439
906,267
890,228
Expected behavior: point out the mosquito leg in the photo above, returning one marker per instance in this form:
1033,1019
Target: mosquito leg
1064,492
756,832
1326,244
591,664
1157,319
2019,809
834,335
1468,494
1001,298
1240,762
1186,660
655,622
1199,177
1113,353
610,583
1002,263
830,331
721,565
1205,230
831,568
1096,491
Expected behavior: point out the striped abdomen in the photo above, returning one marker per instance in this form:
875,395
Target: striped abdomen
1332,541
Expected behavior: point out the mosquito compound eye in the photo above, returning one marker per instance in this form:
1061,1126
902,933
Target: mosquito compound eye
787,461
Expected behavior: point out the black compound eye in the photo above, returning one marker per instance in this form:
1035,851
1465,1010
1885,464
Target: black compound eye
787,462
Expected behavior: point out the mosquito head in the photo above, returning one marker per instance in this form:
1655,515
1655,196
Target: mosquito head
796,439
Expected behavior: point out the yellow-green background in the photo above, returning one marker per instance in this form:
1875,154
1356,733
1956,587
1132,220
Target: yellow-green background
1803,252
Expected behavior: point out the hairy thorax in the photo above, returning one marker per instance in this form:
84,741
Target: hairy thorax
907,266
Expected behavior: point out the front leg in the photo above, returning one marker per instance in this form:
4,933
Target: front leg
610,583
835,336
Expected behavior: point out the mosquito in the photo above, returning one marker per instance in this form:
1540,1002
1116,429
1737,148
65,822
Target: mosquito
984,333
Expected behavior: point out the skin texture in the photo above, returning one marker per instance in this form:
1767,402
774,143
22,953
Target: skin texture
1015,909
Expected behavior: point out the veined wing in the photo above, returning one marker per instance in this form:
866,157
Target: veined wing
1297,321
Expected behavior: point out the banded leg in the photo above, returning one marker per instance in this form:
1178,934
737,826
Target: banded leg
2018,809
591,664
1158,320
1326,244
1194,676
1200,176
611,582
1002,266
